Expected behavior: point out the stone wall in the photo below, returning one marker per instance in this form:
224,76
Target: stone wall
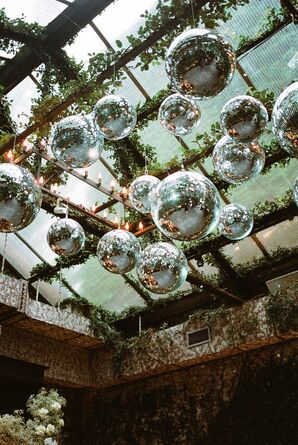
249,398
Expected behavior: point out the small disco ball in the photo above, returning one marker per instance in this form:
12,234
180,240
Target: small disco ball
185,206
236,162
179,115
66,237
115,117
235,222
244,118
162,268
20,198
200,63
285,119
295,191
140,192
118,251
76,141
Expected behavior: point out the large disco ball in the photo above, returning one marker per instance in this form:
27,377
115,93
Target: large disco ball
295,191
185,206
285,119
118,251
179,115
162,268
236,162
235,222
76,141
244,118
66,237
20,198
115,117
140,192
200,63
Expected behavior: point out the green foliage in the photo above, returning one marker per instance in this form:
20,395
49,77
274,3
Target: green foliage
282,308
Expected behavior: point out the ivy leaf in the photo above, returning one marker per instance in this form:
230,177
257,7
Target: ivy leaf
119,43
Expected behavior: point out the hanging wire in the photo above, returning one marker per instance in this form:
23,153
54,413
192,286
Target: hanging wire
146,162
4,252
60,286
193,14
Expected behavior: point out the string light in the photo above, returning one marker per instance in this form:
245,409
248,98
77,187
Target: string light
10,156
105,214
99,179
126,226
124,193
116,220
113,186
93,208
41,180
141,225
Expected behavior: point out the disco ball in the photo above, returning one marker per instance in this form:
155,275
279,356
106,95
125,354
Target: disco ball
118,251
162,268
140,192
235,222
285,119
179,115
185,206
115,117
76,141
200,63
236,162
66,237
20,198
244,118
295,191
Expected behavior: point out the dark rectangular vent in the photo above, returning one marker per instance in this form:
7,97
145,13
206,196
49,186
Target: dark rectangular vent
198,337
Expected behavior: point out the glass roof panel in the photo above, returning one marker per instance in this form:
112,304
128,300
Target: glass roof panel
40,11
21,100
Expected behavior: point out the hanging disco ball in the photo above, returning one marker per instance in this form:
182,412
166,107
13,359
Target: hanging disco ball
20,198
179,115
140,192
236,162
66,237
235,222
185,206
200,63
76,141
295,191
162,268
285,119
118,251
115,117
244,118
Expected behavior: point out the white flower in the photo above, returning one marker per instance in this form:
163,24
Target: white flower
61,422
42,412
40,430
55,406
50,429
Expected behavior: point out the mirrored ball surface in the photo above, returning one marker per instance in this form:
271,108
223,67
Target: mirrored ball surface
118,251
295,191
285,119
244,118
115,116
236,162
179,115
162,268
20,198
186,206
66,237
140,192
200,63
76,141
235,222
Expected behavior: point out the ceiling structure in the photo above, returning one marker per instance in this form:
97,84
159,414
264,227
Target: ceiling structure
81,28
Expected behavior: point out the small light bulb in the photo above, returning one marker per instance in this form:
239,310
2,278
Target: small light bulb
41,180
116,220
10,156
105,214
141,225
99,179
113,186
124,193
86,173
93,208
126,226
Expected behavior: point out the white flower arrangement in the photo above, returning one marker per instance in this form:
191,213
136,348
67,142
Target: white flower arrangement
43,428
